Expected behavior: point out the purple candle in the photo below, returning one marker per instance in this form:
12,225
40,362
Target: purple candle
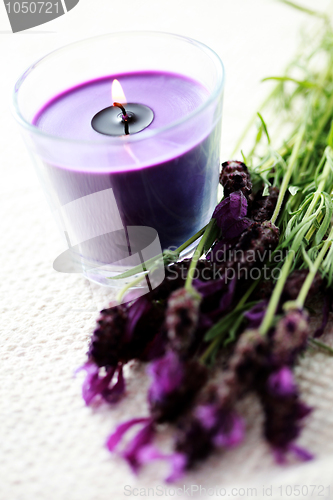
170,185
160,173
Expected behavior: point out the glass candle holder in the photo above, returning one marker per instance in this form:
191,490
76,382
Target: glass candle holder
121,199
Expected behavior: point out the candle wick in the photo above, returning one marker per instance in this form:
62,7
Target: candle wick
123,110
125,116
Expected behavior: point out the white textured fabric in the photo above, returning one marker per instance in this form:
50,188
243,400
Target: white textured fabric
52,447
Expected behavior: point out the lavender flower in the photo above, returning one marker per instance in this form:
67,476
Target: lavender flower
174,386
107,340
230,215
290,337
96,386
326,312
182,318
262,365
251,250
295,282
235,177
212,424
124,332
132,451
284,413
249,364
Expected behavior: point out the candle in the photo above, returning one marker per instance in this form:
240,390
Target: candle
160,167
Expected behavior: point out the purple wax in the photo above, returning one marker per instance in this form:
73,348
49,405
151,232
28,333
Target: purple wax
166,180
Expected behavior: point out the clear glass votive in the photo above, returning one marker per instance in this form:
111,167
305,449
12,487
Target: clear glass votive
120,200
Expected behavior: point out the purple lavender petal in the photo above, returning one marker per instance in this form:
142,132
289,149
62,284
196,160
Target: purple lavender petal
233,207
113,394
141,440
219,253
135,312
303,410
256,314
167,374
279,456
303,454
93,384
178,461
232,437
230,214
178,467
281,453
149,453
206,288
117,435
207,416
221,209
89,382
282,383
156,348
238,205
326,312
228,297
210,287
236,228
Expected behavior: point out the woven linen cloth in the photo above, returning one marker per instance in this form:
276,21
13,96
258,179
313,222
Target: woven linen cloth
52,447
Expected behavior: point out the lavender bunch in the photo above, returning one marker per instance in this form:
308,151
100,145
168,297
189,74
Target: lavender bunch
215,333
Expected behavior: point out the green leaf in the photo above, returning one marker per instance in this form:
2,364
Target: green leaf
303,9
225,323
259,135
266,190
293,190
264,127
302,83
323,228
330,136
307,258
214,234
234,329
244,157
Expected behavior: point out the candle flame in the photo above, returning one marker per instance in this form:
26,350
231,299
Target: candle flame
117,93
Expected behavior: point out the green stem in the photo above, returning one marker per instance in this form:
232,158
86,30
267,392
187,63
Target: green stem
275,298
129,285
197,254
312,272
191,240
319,190
286,179
210,349
317,343
320,127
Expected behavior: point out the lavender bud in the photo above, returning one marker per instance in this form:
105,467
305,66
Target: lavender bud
235,177
290,337
263,206
182,319
175,383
